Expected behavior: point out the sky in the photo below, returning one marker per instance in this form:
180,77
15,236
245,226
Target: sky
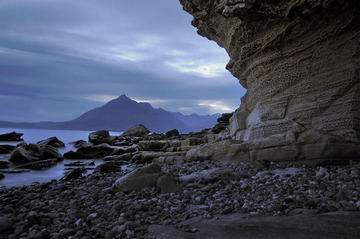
59,59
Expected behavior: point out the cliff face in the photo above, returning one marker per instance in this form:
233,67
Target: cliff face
300,63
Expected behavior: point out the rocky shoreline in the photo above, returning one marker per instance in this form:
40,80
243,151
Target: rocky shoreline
152,182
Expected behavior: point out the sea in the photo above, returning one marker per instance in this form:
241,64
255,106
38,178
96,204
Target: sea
56,172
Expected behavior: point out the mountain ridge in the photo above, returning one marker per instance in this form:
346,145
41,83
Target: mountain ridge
122,113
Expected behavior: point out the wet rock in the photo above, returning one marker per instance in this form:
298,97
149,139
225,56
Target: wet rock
139,179
40,164
172,133
77,164
13,136
4,164
100,137
33,152
49,152
74,155
136,131
6,149
73,174
20,156
90,152
53,141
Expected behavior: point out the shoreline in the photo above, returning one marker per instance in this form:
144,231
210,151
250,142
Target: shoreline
150,188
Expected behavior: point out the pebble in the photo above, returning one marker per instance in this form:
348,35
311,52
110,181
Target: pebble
88,208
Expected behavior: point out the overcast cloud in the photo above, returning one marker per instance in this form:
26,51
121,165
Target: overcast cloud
59,59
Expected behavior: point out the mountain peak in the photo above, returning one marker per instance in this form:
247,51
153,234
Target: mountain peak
123,97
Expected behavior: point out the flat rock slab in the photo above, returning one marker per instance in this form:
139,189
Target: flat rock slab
240,226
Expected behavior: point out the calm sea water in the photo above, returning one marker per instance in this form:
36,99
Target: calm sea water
33,136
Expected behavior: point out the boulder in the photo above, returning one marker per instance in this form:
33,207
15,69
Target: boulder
53,141
6,149
136,131
153,145
172,133
29,153
80,143
49,152
100,137
73,174
20,156
168,184
139,179
13,136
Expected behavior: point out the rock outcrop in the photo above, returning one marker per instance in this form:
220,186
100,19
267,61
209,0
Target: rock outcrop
300,63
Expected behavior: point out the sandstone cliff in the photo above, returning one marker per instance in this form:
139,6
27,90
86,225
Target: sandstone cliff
300,63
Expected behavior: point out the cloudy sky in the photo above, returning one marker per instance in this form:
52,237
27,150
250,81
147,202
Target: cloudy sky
59,59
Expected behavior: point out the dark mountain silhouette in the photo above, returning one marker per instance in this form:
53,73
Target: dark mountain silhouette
122,113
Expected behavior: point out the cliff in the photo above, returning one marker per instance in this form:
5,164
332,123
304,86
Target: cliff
300,63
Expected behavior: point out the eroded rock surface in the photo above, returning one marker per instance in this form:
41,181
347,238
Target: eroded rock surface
300,63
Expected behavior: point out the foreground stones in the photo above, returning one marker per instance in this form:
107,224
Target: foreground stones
299,61
239,195
13,136
235,226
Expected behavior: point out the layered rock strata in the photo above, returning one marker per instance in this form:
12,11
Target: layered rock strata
300,63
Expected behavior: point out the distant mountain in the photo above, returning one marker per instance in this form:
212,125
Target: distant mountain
122,113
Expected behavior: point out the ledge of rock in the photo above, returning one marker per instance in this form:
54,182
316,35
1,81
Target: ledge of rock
300,64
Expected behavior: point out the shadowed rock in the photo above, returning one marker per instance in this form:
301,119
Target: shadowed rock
13,136
6,149
53,141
